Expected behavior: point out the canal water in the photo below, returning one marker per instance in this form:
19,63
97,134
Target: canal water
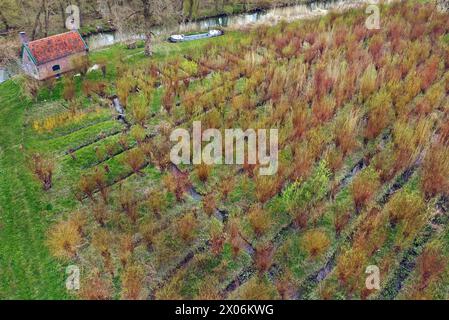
3,75
271,16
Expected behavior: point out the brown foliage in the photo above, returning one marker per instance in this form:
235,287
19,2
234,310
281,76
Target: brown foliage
86,186
315,242
259,220
334,159
209,289
68,92
429,72
217,238
379,115
323,109
373,232
64,239
342,215
157,202
203,172
444,133
101,240
80,64
148,231
266,188
226,186
123,141
126,249
405,205
168,99
300,120
346,131
159,148
99,179
31,87
257,289
135,159
435,177
132,282
128,203
322,82
209,204
96,288
234,238
263,257
364,187
285,286
100,213
303,161
350,266
430,265
90,87
176,184
385,164
187,226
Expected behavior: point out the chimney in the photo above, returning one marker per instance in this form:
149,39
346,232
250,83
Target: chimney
23,37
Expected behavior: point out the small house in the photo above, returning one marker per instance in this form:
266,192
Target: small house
51,56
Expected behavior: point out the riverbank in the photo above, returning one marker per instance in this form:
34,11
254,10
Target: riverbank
101,34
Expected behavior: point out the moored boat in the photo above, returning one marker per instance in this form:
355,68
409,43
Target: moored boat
183,38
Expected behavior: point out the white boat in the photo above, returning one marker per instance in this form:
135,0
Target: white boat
182,38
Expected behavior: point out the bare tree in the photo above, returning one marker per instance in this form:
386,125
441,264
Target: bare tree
4,21
8,13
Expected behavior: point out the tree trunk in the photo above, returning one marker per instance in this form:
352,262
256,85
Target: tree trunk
147,24
148,44
191,4
36,22
216,6
46,17
181,11
63,17
78,3
109,8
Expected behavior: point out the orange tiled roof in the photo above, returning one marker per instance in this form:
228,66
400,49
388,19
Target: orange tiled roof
57,46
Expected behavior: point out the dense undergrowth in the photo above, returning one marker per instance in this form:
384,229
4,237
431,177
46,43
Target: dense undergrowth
363,177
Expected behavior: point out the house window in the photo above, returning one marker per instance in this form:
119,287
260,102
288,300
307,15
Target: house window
56,68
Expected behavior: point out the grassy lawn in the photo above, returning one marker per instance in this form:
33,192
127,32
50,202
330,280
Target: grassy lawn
27,271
